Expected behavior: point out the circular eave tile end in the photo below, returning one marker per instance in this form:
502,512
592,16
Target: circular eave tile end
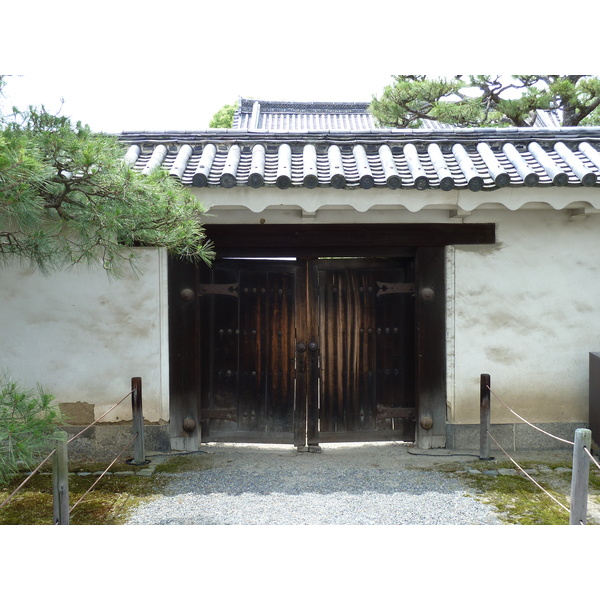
256,180
311,181
447,183
338,181
589,179
531,180
227,180
421,183
283,182
561,179
394,182
367,182
199,180
502,180
476,184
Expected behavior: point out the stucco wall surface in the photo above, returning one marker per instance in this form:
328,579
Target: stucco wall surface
526,311
83,336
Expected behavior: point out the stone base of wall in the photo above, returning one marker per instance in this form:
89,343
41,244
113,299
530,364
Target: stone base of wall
106,441
513,436
103,442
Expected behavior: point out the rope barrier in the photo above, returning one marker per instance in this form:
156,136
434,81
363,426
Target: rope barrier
100,417
528,423
527,474
590,455
68,441
104,473
28,478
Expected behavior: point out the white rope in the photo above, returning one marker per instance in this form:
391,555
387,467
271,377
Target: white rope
28,478
527,474
590,455
103,474
528,423
100,417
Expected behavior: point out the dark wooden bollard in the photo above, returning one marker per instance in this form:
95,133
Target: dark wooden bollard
60,481
484,414
139,453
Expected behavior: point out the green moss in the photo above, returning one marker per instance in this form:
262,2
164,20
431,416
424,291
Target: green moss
110,501
519,501
185,463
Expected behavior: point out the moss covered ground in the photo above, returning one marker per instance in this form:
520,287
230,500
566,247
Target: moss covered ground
517,500
108,503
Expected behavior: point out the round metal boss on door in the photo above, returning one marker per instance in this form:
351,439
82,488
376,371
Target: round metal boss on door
189,424
426,422
427,294
187,294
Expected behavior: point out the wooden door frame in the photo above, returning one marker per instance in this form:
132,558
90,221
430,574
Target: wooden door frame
425,241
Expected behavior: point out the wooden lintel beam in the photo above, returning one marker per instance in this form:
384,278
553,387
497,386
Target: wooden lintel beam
354,240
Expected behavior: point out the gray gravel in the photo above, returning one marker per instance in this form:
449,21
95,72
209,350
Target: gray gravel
368,484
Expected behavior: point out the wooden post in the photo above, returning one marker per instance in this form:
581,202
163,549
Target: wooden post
580,477
484,414
60,481
139,453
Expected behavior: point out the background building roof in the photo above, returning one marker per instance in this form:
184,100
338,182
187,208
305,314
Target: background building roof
271,115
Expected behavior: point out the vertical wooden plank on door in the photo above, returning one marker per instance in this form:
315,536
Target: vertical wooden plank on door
383,347
251,362
219,382
404,334
313,351
300,354
329,320
367,364
280,373
353,307
395,345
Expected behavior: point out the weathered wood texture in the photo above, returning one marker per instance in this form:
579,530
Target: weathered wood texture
247,351
139,449
431,346
580,477
60,481
366,327
184,334
484,416
343,240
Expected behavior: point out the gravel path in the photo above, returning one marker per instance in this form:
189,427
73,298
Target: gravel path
368,484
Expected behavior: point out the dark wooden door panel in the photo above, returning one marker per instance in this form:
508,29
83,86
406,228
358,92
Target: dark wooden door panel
247,378
366,331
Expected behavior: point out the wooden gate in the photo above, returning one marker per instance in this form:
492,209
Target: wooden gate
307,350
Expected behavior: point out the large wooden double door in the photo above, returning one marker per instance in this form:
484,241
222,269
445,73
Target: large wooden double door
306,351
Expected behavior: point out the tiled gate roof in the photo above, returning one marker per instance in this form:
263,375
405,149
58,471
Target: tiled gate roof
474,159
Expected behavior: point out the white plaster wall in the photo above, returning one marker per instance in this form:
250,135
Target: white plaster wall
526,311
83,336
